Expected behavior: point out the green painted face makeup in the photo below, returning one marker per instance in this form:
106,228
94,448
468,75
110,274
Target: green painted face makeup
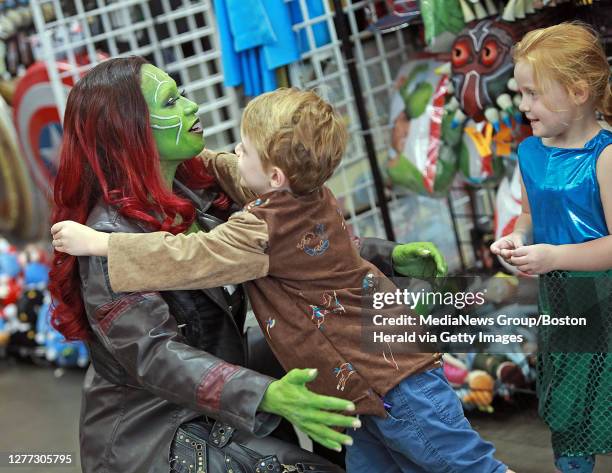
176,127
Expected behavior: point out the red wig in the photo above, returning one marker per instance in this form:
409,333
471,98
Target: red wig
108,154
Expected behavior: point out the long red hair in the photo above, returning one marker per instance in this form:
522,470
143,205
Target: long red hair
108,154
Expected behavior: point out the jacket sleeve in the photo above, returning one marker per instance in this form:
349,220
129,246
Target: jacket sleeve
231,253
141,334
224,167
378,252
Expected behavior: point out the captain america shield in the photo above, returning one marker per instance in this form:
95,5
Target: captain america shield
38,123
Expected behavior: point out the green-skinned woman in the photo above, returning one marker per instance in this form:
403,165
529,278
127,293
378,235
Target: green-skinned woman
162,361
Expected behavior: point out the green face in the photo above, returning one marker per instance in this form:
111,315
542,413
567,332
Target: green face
176,127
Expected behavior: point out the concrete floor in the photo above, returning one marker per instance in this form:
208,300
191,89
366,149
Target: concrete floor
39,413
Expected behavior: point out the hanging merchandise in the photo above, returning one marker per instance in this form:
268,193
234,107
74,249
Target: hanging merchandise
320,31
16,27
401,13
62,35
443,20
424,145
38,123
10,291
23,213
39,133
479,160
257,38
481,68
25,330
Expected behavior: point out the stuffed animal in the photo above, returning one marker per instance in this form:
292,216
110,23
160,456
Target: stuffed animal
480,391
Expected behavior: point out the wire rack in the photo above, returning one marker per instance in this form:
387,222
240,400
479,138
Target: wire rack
180,36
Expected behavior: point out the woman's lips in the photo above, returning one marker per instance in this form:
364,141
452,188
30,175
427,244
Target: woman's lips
196,128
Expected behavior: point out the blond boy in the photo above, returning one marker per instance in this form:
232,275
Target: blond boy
304,278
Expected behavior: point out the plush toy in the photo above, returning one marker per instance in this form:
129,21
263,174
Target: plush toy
57,350
455,370
474,388
500,367
5,335
23,336
9,262
10,290
479,392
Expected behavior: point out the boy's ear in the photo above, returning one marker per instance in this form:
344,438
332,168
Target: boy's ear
278,179
580,92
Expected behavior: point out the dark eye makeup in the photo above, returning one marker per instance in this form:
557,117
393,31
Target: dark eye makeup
173,100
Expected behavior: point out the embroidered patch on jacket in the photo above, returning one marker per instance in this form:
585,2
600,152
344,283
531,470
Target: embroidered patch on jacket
390,359
343,373
314,243
331,305
368,283
256,203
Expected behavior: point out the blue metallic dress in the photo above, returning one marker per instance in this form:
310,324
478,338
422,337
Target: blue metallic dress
574,367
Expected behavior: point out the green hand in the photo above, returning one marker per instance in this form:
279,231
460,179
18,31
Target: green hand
310,412
421,260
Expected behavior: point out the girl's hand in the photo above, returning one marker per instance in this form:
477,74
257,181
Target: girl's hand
79,240
536,259
505,245
312,413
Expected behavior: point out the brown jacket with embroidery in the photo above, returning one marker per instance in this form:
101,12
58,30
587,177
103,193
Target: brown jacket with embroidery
305,283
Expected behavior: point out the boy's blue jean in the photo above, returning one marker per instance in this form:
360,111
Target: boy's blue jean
425,431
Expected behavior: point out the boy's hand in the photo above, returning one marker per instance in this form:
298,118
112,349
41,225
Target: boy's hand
310,412
535,259
79,240
504,246
421,260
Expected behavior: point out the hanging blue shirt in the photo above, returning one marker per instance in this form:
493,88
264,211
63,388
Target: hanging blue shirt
320,31
257,37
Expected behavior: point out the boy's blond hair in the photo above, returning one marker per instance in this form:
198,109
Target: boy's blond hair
570,54
297,131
